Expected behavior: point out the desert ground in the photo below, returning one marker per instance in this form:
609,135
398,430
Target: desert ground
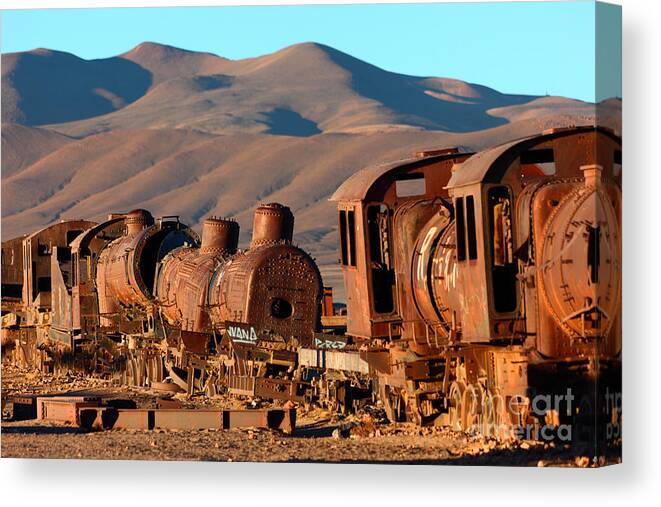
320,436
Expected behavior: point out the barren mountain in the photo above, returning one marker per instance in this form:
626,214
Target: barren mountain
21,146
193,134
301,90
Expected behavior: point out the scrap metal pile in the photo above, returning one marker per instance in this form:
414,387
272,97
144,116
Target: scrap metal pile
484,293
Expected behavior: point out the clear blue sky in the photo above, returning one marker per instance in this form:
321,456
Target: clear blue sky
530,48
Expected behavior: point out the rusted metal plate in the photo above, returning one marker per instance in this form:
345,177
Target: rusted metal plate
267,388
278,419
195,342
98,418
140,419
64,408
168,403
19,408
332,359
182,419
279,389
169,387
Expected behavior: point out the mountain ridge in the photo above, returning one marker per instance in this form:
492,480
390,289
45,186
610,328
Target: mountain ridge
301,89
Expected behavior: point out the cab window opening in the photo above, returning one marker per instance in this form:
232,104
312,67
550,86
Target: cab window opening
343,238
73,234
351,226
539,160
460,229
409,185
383,276
504,268
470,225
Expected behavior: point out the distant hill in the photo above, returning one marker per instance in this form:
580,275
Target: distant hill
22,146
194,134
301,90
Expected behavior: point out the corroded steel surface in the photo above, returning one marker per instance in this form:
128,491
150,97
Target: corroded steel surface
273,223
102,418
184,276
276,287
219,236
126,267
182,285
37,263
376,249
12,269
490,165
506,263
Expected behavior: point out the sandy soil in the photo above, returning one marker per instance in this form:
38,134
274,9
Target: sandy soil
319,437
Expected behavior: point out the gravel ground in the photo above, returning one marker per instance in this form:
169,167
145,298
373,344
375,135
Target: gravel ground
368,441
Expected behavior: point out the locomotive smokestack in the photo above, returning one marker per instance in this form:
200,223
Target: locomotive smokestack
219,236
273,223
138,220
592,175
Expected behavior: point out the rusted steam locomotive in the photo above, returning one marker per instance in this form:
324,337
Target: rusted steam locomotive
487,287
132,296
483,292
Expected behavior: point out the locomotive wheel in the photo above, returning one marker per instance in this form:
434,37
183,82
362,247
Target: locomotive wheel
393,404
154,369
456,410
412,408
131,372
472,404
489,416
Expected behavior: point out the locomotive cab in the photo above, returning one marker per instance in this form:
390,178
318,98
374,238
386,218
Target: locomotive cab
381,211
486,263
531,217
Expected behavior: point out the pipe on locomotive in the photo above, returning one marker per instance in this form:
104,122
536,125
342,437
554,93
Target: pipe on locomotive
273,223
219,236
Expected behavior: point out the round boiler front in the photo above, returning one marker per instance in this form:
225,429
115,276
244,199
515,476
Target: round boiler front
275,288
580,279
